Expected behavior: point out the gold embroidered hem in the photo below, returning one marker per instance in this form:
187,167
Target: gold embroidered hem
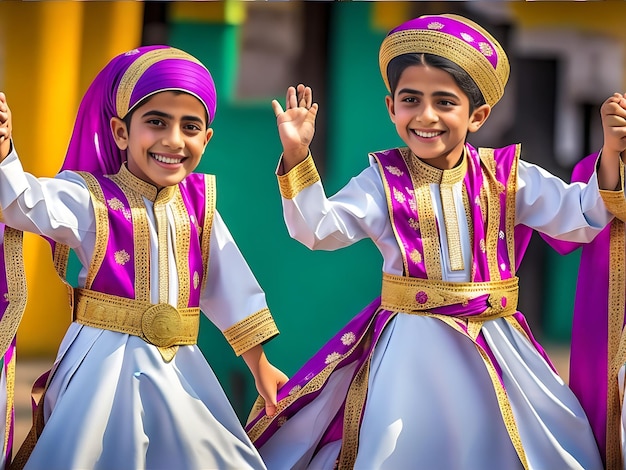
251,331
303,175
418,296
162,324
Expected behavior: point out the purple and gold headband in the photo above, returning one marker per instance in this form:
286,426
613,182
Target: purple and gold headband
457,39
121,85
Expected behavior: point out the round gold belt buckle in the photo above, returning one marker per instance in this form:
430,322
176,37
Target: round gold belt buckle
161,325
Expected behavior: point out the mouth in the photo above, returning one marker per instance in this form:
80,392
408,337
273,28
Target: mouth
427,134
169,160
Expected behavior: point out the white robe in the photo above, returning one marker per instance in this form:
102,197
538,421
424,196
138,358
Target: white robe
430,403
113,402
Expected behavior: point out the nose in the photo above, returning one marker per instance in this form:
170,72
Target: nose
174,138
426,114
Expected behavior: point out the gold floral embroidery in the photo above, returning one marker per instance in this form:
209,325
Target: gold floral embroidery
295,389
482,245
415,225
398,196
122,257
115,204
416,256
501,234
196,279
467,37
435,25
486,49
394,170
348,338
332,357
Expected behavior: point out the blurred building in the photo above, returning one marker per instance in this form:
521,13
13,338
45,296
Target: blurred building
566,58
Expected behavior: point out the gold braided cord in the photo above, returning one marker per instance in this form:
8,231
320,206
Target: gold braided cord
303,175
251,331
490,81
137,69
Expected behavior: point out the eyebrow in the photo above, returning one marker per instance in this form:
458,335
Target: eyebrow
441,94
157,113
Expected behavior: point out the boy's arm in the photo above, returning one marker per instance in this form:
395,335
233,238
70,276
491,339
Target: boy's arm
268,379
296,125
5,127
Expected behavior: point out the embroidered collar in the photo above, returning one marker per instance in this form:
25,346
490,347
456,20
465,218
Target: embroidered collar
147,190
433,175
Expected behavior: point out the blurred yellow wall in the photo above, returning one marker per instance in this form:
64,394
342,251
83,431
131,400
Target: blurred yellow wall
52,51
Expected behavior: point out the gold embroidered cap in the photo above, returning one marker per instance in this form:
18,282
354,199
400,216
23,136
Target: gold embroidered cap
455,38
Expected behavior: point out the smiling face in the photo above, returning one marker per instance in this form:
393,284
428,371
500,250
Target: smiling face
166,138
432,115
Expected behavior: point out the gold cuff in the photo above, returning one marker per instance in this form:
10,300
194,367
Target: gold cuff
252,330
614,200
303,175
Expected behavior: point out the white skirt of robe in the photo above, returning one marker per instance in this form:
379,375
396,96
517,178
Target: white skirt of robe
431,405
126,408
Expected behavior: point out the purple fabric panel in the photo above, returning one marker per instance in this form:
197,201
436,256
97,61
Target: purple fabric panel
505,158
400,186
192,190
369,320
116,275
473,185
456,28
589,343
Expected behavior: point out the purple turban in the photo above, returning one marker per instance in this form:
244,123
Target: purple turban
123,83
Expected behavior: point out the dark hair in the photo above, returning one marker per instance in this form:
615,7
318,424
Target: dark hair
397,65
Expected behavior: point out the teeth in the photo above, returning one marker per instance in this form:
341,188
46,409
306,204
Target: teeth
427,134
164,159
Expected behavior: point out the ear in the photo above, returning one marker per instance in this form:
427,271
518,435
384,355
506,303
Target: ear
390,108
120,133
478,117
208,136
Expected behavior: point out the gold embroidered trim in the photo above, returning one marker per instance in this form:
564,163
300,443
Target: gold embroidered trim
511,194
505,408
136,70
210,198
616,341
451,222
16,295
251,331
159,324
303,175
494,211
182,226
381,170
418,296
422,176
163,236
101,216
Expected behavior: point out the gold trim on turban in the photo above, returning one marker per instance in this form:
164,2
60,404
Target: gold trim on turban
490,81
137,69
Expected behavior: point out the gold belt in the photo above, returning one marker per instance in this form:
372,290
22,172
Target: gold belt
419,296
160,324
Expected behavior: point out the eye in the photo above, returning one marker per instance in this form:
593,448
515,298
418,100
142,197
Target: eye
446,102
155,122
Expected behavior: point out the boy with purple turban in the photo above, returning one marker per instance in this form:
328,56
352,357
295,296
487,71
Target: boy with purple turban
130,388
441,371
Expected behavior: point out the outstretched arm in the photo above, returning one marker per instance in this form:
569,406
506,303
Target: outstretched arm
5,127
296,124
613,113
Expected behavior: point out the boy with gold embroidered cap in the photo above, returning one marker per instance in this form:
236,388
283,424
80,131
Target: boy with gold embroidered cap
129,387
441,371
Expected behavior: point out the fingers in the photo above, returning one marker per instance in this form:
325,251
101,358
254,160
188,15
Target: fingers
278,109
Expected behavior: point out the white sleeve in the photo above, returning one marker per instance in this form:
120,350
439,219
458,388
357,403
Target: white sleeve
231,293
570,212
59,208
357,211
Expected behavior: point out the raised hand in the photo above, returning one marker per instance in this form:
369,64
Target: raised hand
5,127
296,124
613,113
